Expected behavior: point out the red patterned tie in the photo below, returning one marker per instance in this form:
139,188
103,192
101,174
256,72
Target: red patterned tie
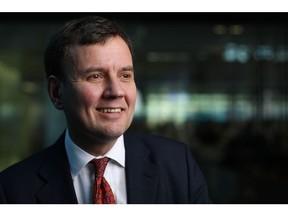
102,193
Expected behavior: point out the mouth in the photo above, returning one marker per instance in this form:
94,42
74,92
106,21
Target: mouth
109,110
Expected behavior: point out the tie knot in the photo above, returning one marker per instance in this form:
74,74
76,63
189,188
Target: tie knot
100,165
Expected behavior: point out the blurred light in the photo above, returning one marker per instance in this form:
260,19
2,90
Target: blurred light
219,29
234,52
281,54
8,110
236,29
243,53
264,52
139,104
230,52
29,87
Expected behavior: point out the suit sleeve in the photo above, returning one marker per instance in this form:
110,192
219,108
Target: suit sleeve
198,189
2,196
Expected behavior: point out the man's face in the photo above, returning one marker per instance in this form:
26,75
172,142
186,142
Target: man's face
100,92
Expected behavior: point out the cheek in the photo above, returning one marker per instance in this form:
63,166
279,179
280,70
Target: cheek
132,95
87,95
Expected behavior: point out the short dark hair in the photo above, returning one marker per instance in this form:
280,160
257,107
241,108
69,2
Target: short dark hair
83,31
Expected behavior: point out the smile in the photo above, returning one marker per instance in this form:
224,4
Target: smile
106,110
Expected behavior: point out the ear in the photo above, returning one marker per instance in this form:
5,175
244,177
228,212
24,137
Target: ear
55,91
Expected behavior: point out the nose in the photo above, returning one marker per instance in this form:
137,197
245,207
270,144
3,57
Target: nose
113,88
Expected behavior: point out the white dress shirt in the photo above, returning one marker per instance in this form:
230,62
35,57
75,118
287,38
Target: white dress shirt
83,173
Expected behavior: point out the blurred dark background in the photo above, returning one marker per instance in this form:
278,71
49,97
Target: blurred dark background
216,81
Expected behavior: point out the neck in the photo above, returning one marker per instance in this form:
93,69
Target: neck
96,149
94,145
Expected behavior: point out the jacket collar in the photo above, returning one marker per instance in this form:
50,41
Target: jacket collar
55,171
141,171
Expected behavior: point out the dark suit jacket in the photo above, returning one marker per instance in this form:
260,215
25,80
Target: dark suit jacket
158,170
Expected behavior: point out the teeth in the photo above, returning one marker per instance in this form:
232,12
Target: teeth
110,110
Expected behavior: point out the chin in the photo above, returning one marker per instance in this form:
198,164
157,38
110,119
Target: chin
113,133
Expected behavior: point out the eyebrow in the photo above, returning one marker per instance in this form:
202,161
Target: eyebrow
130,67
101,69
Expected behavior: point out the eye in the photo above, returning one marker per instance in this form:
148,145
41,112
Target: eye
93,77
127,75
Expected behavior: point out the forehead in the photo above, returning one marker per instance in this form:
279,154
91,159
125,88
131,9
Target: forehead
114,45
115,41
111,54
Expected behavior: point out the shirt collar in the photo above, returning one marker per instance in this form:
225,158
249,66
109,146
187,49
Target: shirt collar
78,158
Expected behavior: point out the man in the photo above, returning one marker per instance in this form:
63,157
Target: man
90,77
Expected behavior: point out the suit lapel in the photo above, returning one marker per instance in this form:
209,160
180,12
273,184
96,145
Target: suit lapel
141,172
55,171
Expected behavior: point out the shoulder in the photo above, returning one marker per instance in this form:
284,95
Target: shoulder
27,165
32,164
149,138
156,143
